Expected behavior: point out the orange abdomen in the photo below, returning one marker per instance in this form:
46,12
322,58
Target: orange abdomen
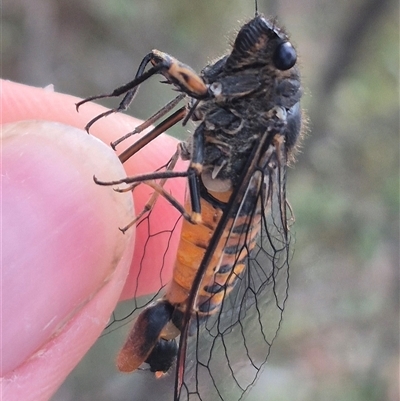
226,264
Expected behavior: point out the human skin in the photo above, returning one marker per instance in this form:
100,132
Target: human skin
65,264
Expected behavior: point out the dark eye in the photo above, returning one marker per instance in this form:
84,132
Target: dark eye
285,56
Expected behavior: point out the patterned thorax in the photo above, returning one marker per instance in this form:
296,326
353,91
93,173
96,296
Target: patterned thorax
258,76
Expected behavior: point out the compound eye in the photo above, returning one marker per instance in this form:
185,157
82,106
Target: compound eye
285,56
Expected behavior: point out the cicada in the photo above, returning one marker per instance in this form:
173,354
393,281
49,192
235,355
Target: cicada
214,323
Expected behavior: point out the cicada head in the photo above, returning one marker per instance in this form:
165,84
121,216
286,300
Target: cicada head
260,42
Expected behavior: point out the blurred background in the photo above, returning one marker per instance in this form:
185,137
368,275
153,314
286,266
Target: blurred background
340,338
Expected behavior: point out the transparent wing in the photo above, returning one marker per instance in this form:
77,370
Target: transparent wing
227,354
155,253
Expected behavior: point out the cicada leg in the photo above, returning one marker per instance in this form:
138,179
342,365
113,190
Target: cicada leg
158,190
151,120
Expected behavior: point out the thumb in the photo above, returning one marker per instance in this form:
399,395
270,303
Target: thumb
64,260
